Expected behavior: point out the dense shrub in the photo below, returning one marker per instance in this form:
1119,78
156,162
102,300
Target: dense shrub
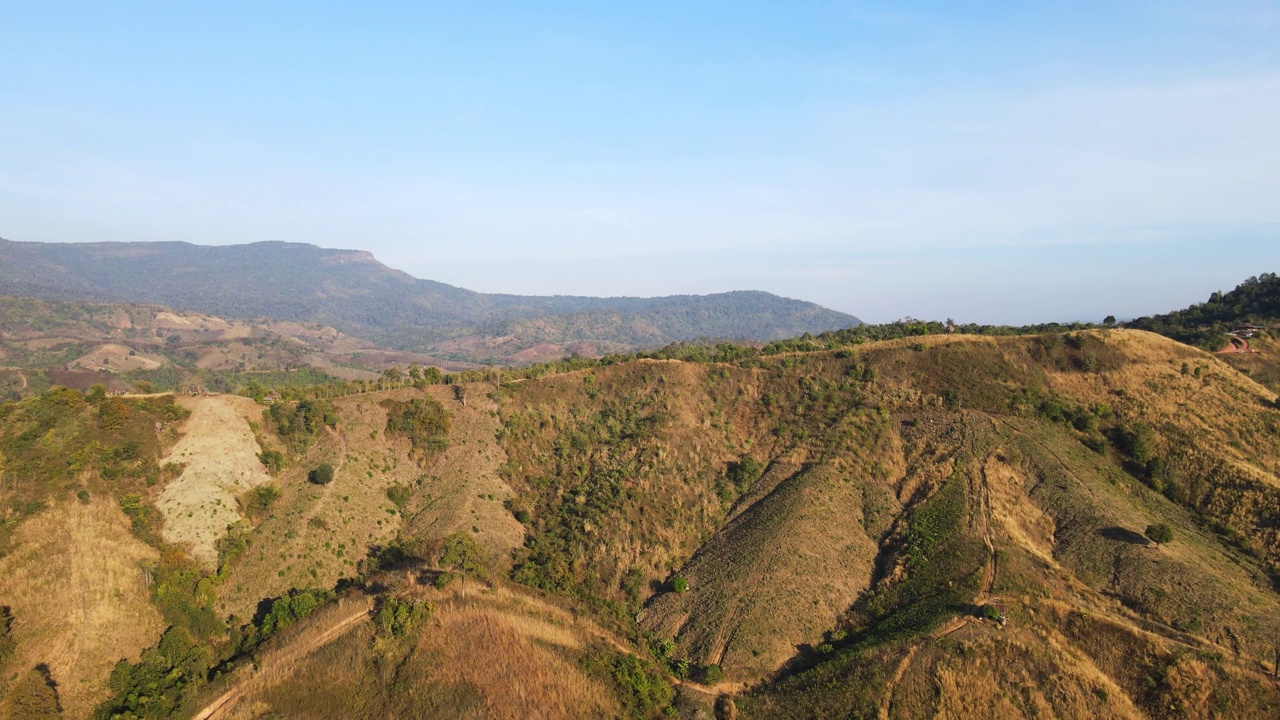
322,474
397,616
423,421
260,499
272,460
299,423
639,688
1159,533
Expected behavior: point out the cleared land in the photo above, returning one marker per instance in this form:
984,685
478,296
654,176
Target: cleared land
218,455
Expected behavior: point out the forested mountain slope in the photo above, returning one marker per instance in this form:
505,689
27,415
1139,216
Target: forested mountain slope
353,292
1206,324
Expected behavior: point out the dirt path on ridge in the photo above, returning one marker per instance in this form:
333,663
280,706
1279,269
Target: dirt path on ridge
283,659
21,375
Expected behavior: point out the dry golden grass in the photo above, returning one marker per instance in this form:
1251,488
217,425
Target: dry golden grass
79,598
1100,625
983,672
777,576
493,653
464,485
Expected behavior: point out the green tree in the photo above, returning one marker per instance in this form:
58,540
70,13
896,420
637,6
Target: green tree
463,555
96,394
322,474
272,460
1159,533
1137,442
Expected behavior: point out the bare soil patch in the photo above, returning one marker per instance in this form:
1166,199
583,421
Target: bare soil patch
220,455
116,358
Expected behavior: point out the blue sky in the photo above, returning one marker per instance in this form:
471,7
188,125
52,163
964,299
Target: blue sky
991,162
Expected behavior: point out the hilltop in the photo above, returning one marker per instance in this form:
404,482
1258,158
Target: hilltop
1206,324
353,292
1253,306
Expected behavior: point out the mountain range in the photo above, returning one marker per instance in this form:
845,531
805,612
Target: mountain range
353,292
910,520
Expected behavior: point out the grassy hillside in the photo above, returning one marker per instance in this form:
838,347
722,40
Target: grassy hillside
906,484
353,292
794,532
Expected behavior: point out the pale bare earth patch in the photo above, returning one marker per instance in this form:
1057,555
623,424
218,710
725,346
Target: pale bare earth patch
116,358
79,597
220,455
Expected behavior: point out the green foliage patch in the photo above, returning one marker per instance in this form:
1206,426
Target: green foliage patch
1205,325
640,688
298,423
395,616
942,565
423,421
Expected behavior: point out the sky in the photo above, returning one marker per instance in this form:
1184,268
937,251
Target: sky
984,161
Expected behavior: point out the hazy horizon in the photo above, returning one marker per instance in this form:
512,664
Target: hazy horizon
994,164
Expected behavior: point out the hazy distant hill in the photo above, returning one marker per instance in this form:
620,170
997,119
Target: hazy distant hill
352,291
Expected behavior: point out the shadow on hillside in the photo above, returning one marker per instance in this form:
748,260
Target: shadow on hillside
1119,534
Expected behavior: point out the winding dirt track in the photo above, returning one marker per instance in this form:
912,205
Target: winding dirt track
21,375
217,708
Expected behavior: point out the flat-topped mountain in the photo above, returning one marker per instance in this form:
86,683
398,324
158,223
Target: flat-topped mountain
352,291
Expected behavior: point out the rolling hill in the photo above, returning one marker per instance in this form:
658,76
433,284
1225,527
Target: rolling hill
353,292
948,525
79,343
898,521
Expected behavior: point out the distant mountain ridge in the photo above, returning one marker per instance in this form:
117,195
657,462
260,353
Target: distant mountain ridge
352,291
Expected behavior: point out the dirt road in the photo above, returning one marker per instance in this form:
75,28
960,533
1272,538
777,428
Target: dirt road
21,376
218,707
